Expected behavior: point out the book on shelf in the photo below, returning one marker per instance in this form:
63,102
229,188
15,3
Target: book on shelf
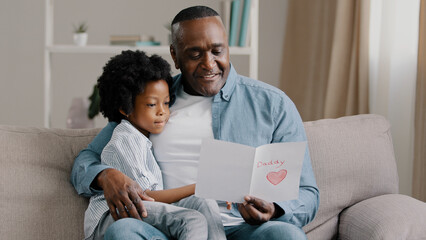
135,43
244,23
123,38
233,25
147,43
133,40
226,13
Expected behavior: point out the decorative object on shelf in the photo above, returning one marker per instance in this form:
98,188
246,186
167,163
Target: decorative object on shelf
95,100
77,114
80,34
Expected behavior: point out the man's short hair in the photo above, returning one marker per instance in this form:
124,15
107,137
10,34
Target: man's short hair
190,13
194,12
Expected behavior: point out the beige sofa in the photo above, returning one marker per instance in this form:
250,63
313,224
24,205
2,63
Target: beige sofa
352,157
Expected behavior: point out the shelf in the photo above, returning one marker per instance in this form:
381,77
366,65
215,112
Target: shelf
117,49
51,48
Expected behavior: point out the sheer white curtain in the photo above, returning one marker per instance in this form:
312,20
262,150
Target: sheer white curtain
330,54
394,27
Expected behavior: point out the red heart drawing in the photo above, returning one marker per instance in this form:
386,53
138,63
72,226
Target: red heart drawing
276,177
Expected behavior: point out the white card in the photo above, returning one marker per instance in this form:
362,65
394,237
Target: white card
229,171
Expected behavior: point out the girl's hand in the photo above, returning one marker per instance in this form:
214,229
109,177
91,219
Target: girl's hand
228,205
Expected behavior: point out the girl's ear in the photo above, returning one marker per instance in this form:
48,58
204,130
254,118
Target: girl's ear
123,113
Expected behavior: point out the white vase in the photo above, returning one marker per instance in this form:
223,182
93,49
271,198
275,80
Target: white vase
80,39
78,114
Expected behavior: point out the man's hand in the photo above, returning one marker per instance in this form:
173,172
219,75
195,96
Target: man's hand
256,211
123,195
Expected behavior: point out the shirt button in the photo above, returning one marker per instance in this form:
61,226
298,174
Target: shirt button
215,116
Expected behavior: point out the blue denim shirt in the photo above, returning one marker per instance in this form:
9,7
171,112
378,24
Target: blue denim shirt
245,111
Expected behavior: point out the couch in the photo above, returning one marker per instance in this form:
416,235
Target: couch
352,158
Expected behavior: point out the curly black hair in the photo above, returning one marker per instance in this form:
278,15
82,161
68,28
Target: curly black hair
124,77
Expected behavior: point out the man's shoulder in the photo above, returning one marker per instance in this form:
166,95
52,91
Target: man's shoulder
259,86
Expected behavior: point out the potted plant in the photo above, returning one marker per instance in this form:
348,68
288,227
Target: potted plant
80,34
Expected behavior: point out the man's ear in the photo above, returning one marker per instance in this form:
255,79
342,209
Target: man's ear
173,54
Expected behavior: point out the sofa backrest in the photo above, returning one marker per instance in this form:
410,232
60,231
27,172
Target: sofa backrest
37,200
353,160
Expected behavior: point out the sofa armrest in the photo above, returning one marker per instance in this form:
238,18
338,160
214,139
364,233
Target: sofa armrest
391,216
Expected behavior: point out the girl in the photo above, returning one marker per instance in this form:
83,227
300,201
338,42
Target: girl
134,91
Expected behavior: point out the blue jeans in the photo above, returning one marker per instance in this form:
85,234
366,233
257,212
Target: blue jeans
133,229
190,218
271,230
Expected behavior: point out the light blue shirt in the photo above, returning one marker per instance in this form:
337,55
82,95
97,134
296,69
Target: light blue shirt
130,152
245,111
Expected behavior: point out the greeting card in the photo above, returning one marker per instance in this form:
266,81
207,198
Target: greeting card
229,171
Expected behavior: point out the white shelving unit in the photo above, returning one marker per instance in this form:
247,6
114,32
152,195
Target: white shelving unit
51,48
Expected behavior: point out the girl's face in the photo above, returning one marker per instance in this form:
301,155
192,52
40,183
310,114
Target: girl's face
151,111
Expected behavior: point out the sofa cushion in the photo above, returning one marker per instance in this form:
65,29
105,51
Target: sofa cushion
37,200
391,216
353,159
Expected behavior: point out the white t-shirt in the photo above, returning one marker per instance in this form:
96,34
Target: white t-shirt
177,148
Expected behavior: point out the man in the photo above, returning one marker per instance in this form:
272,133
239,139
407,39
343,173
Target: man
212,100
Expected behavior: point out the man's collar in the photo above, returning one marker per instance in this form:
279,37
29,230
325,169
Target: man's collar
225,93
227,90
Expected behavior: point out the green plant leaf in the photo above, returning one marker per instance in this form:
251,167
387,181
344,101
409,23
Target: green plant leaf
95,101
80,28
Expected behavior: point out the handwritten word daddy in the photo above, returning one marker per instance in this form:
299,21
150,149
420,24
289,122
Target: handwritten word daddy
276,163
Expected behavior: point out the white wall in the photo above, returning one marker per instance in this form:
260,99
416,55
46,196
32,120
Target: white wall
73,75
21,62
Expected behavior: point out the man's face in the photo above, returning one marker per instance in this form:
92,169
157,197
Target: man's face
202,55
